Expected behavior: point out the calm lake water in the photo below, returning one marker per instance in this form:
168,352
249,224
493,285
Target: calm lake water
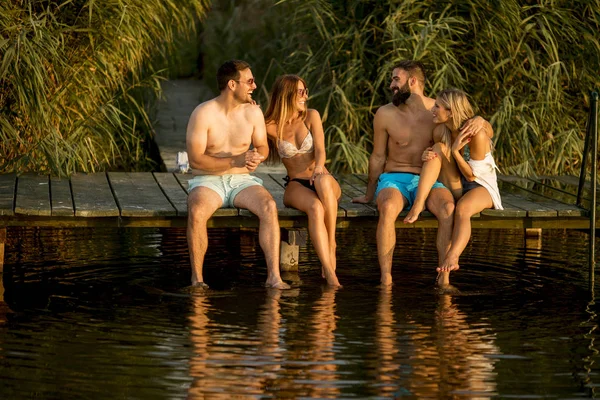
101,314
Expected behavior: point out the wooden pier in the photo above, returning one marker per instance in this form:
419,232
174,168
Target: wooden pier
145,199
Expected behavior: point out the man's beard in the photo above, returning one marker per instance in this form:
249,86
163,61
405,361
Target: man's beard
401,95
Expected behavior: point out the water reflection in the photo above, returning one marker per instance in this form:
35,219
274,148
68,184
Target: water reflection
111,319
456,360
388,366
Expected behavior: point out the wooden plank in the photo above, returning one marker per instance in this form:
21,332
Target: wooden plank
276,189
536,187
221,212
138,195
533,209
352,187
61,198
8,186
562,209
92,196
33,195
173,190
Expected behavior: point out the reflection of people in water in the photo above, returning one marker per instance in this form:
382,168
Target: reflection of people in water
236,365
454,360
323,373
388,365
200,338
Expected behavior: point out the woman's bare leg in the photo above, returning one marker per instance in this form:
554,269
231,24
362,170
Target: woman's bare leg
429,174
329,193
306,200
471,203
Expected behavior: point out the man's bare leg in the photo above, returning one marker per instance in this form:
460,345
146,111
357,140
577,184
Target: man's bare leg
259,201
441,204
202,204
390,203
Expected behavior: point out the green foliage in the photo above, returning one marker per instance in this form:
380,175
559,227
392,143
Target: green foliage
78,77
528,65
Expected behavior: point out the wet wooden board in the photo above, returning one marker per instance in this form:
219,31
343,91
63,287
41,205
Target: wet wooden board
221,212
61,198
138,195
8,184
33,195
92,196
173,190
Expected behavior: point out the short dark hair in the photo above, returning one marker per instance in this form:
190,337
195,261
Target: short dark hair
414,68
230,70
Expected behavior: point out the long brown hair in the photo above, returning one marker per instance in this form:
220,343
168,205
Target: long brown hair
281,102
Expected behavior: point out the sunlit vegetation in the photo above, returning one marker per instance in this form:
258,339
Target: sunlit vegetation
78,79
529,65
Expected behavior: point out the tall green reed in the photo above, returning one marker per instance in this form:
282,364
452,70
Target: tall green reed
78,77
527,65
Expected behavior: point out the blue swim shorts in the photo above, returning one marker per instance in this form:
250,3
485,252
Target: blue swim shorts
405,182
226,186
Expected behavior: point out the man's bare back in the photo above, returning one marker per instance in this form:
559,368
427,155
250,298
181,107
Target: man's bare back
410,131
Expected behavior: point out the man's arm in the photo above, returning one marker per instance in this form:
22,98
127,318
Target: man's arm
196,139
259,140
259,136
378,157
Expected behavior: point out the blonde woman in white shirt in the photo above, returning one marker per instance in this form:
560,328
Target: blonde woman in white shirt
473,183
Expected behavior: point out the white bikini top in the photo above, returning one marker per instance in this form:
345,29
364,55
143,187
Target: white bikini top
288,150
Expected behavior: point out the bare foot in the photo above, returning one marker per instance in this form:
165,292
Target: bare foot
386,279
443,279
331,278
450,264
197,287
413,213
277,285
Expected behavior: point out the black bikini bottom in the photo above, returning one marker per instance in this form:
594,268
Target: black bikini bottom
303,182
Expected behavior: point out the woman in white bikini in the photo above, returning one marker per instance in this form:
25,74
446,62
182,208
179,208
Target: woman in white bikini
297,133
473,182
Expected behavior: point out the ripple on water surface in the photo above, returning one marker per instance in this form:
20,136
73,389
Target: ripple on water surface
97,313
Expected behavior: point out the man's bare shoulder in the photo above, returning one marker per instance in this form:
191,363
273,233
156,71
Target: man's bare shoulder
251,111
208,107
428,102
386,109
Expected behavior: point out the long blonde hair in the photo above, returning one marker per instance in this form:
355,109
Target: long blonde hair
457,102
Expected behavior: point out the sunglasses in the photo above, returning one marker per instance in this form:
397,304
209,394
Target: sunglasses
249,82
302,92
